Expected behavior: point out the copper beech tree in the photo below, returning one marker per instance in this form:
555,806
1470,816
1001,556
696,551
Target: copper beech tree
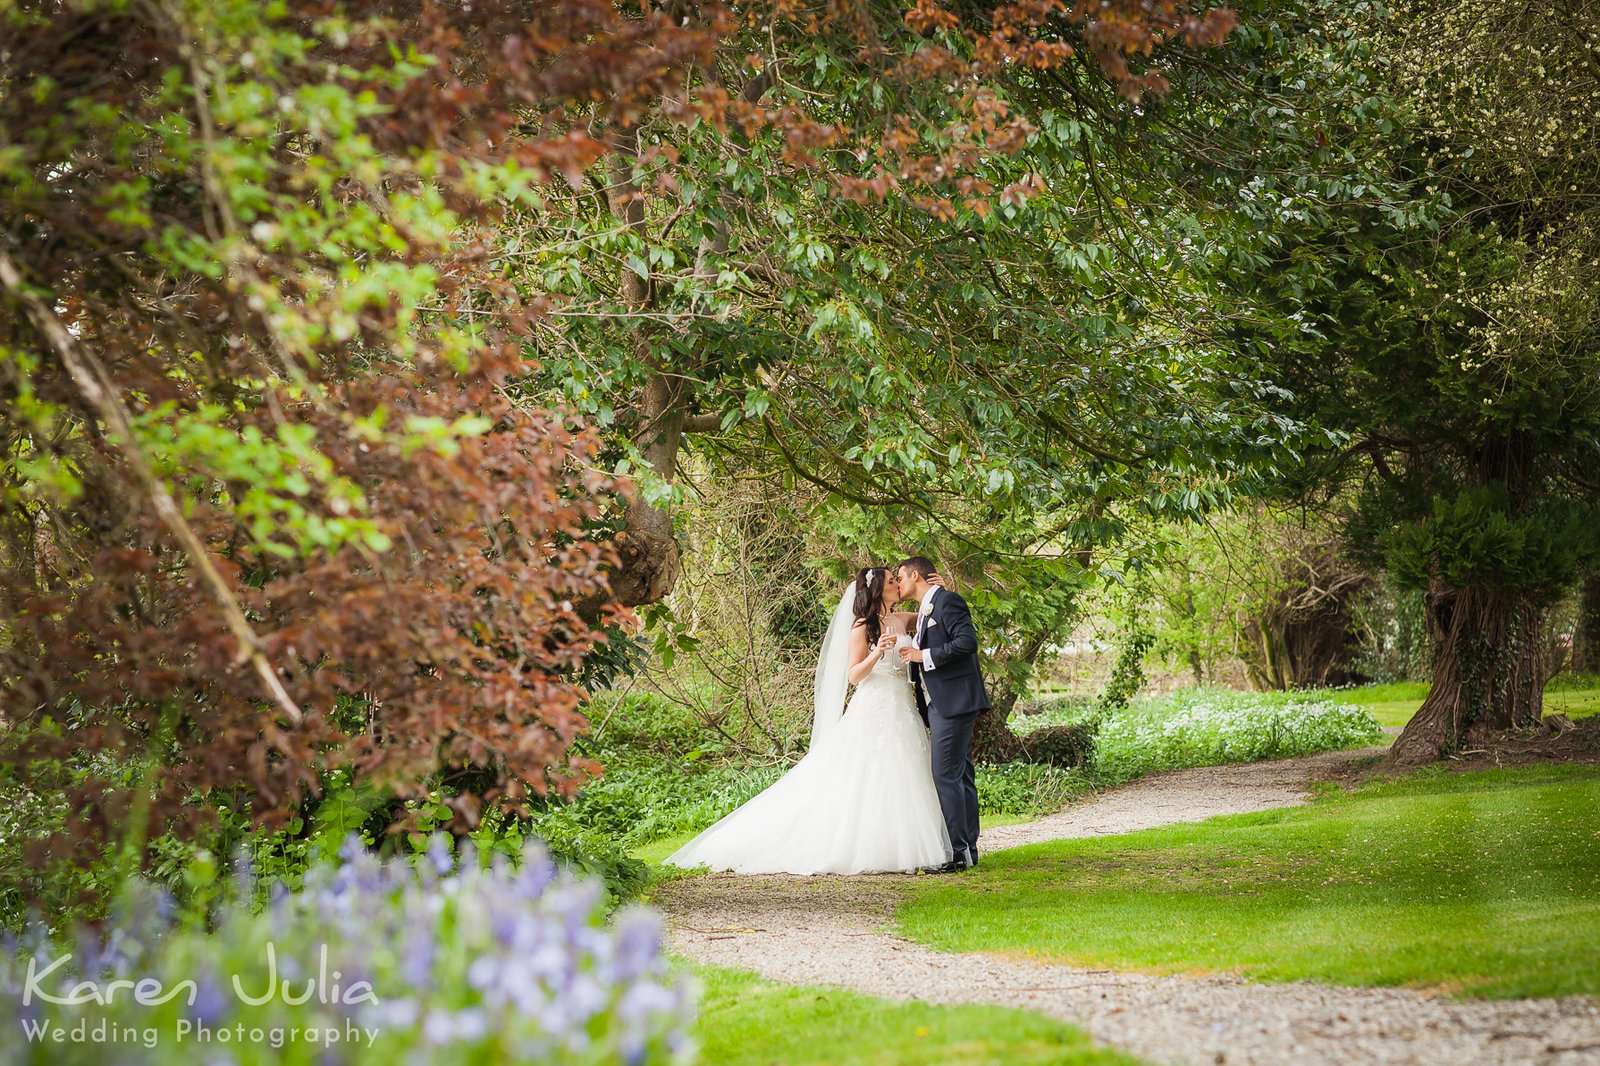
269,508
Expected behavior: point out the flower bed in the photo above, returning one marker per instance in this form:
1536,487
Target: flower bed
1206,727
431,961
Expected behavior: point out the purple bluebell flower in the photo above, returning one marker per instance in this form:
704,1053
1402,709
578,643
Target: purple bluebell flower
442,1027
211,1003
417,955
392,1014
439,854
456,961
242,870
351,848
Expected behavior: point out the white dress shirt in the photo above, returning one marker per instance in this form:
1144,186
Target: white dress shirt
924,613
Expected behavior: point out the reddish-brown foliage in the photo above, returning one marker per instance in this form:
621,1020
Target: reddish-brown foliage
458,647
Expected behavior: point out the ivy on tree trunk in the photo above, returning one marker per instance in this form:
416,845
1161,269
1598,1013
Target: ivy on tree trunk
1488,672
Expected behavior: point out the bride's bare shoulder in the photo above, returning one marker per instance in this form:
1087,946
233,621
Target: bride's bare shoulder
904,620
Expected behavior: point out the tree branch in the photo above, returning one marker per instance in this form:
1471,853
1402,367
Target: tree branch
707,423
93,384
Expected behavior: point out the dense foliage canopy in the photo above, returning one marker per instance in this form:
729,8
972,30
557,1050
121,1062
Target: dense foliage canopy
269,506
308,308
1449,336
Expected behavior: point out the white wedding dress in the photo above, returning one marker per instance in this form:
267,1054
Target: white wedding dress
862,799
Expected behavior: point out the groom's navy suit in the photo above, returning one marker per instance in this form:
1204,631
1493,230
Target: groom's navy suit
950,697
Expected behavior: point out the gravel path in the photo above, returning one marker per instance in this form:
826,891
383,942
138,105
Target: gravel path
1181,796
839,931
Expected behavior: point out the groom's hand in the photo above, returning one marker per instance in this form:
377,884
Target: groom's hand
911,655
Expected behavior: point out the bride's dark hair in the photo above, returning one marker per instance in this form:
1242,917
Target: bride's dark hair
869,600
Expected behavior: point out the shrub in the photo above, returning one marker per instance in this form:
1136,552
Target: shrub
641,799
270,504
78,893
474,961
1027,788
1062,745
645,721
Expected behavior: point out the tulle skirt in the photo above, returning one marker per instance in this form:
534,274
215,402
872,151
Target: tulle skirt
860,802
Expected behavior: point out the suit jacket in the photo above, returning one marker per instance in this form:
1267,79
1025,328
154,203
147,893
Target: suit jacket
954,687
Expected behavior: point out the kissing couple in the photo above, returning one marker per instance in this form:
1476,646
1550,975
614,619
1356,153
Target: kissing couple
887,784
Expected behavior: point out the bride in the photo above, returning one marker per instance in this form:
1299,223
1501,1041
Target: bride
862,800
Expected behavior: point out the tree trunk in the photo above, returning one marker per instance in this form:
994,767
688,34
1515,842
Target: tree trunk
1524,706
1263,652
1192,652
1488,672
994,741
648,561
1586,646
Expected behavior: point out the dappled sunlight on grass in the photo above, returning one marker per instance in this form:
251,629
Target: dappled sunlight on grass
1394,704
1486,883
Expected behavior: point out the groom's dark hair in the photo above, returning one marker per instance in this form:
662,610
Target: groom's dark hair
921,564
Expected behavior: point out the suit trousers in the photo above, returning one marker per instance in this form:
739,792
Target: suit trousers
955,780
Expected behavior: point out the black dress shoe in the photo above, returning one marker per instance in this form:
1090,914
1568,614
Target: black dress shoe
954,866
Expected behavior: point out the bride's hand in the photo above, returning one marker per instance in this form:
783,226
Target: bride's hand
886,641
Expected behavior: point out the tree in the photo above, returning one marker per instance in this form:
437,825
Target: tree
269,505
913,284
1445,331
1586,639
893,265
881,266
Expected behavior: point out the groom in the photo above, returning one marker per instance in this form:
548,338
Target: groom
950,695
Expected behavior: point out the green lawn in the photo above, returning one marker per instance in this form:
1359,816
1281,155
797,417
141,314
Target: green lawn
747,1021
1390,704
1485,883
1394,704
